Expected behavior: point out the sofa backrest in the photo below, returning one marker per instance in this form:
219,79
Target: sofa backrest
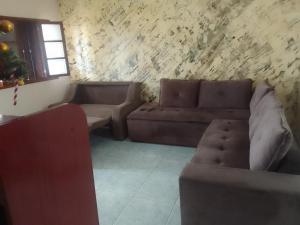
179,93
110,93
227,94
269,133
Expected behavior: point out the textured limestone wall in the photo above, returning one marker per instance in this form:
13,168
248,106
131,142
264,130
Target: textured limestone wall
146,40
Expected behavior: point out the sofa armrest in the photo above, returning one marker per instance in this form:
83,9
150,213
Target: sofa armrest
213,195
134,92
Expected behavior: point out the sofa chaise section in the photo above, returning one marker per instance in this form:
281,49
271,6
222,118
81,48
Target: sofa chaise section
224,143
241,177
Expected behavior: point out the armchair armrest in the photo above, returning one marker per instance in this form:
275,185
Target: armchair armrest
213,195
119,116
125,108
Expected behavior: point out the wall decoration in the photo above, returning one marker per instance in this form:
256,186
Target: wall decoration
12,68
6,26
147,40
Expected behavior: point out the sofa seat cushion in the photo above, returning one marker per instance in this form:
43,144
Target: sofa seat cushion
179,93
98,110
97,122
156,113
224,143
165,132
229,94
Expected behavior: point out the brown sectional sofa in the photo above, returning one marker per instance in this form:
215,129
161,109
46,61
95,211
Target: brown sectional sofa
244,170
106,103
186,108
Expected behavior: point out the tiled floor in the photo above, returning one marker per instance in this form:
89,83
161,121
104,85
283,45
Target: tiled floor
137,183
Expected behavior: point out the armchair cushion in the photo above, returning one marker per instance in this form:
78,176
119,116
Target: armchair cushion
97,122
98,110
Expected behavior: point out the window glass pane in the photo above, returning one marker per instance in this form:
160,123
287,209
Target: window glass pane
54,49
51,32
57,66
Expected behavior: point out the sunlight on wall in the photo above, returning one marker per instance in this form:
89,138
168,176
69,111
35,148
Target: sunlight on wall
148,40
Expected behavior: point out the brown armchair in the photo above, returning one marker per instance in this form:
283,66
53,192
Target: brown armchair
106,102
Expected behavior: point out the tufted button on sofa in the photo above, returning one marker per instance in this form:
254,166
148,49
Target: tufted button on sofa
225,142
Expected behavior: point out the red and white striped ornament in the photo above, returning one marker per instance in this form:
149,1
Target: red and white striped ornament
16,91
16,81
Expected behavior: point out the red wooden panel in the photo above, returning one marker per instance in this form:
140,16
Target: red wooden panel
46,169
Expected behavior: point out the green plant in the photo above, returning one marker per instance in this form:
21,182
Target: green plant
11,65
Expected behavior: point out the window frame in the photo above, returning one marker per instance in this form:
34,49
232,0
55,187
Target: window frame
63,41
42,73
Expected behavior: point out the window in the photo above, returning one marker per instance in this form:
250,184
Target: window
54,46
41,45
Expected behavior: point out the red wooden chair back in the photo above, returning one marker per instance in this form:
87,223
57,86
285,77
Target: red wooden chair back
46,169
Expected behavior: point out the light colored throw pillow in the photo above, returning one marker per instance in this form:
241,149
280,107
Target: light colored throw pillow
268,102
260,91
271,141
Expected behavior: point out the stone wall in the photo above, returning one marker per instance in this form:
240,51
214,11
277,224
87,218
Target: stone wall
146,40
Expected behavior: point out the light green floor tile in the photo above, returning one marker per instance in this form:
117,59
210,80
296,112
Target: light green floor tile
175,218
160,185
145,211
137,183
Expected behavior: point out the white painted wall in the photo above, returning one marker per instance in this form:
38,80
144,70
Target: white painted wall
39,9
37,96
33,97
